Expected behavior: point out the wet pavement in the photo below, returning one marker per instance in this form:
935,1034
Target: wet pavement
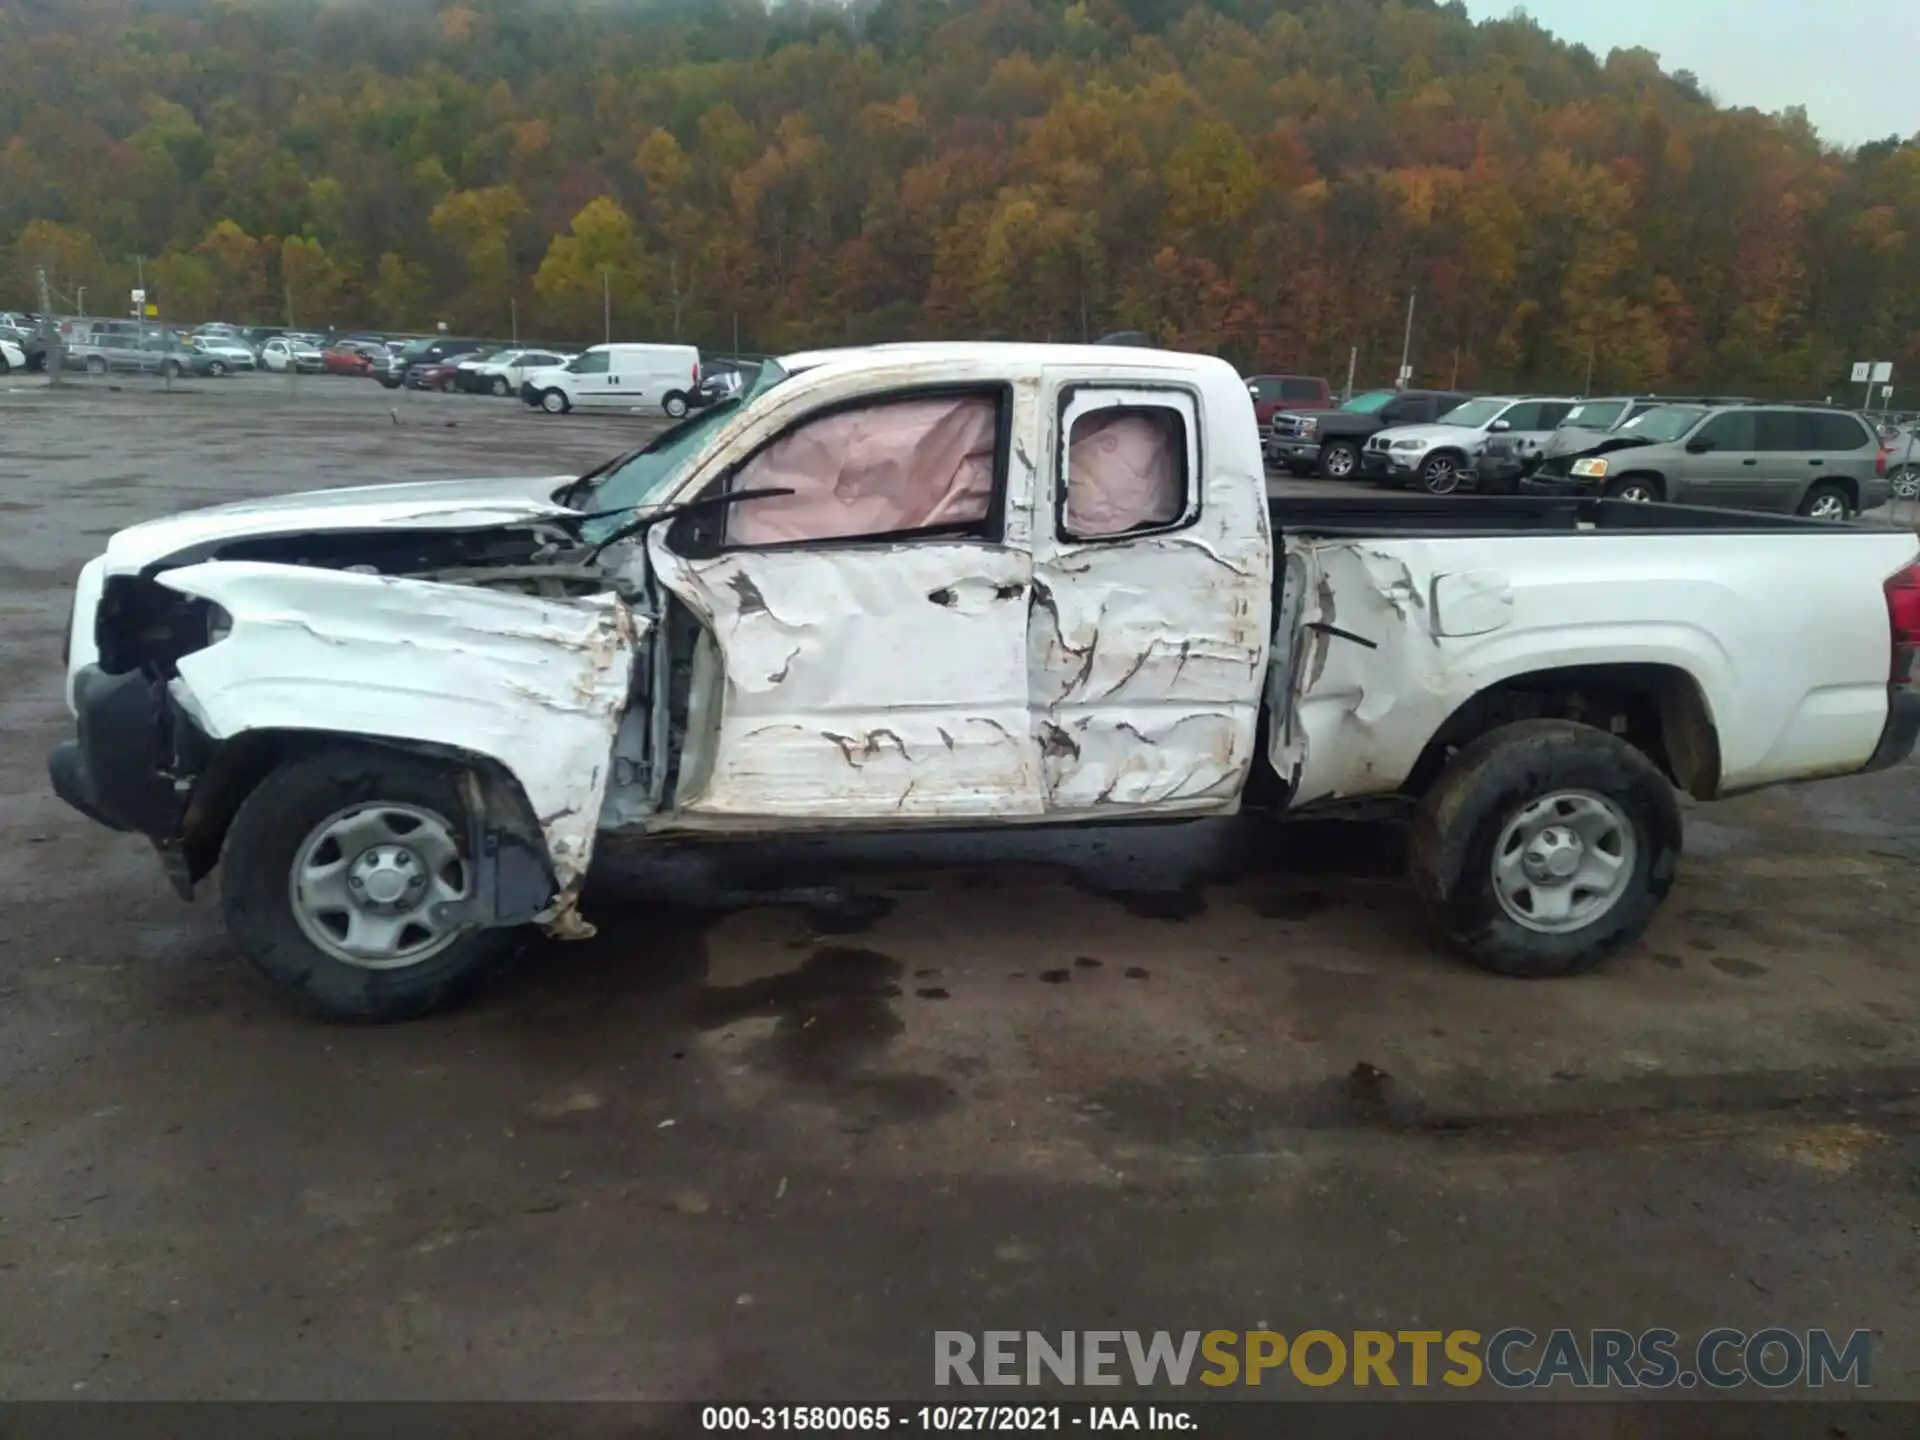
801,1104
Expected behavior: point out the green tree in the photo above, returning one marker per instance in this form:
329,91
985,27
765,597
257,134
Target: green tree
600,258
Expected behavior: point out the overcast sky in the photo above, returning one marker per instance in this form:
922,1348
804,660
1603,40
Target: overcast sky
1855,64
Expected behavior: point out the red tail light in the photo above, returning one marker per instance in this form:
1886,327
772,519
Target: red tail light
1880,460
696,372
1903,623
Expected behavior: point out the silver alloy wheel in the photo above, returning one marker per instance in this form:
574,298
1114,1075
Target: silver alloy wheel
1440,476
216,367
500,386
675,406
1563,861
376,885
553,402
1637,493
1339,462
1906,483
1827,507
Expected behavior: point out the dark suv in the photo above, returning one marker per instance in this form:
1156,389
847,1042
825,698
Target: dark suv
1330,442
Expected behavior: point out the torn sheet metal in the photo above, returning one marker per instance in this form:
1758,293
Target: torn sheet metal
884,682
1145,758
537,684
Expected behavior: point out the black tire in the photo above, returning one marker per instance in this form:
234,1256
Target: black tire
555,402
500,385
1826,494
675,404
170,370
1491,782
96,366
6,366
1641,489
1340,460
256,867
1440,473
216,367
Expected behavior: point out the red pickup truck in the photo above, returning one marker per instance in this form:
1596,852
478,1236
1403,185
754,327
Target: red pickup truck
1288,392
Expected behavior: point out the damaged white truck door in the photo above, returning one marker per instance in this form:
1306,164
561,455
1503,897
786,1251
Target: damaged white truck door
1149,631
865,648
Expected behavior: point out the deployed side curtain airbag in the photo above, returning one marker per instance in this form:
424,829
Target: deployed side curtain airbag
1124,471
903,465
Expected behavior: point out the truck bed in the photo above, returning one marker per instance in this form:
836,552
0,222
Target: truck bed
1412,516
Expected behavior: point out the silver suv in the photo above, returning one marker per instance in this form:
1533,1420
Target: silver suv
1801,459
1438,457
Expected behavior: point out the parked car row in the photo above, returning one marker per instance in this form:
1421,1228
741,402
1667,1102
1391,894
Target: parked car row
1822,461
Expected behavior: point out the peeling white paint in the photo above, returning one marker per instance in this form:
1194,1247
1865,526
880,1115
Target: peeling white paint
538,685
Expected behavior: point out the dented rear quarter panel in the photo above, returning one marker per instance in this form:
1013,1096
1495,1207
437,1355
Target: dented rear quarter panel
536,684
1784,634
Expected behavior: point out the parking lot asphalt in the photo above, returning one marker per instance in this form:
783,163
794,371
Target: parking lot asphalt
1207,1076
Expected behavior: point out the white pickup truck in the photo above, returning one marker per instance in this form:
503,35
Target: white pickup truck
947,585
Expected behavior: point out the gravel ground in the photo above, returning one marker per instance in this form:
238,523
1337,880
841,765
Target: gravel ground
1207,1076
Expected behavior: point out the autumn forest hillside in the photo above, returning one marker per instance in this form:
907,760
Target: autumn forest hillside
1262,178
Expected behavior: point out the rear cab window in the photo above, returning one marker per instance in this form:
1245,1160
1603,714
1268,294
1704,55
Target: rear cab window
1127,464
1295,389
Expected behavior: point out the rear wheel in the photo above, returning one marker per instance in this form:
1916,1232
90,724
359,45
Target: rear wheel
345,878
1545,847
675,404
1906,483
96,366
1639,489
171,370
6,366
554,402
1828,501
1339,460
1440,475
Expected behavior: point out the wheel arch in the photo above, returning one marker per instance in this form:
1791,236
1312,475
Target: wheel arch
1659,709
516,875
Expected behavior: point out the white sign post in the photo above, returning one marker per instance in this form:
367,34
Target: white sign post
139,304
1861,369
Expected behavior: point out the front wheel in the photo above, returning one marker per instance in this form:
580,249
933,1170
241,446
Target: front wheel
96,366
1339,460
171,370
1440,475
675,404
345,881
555,402
1634,490
500,385
216,367
1827,502
1545,847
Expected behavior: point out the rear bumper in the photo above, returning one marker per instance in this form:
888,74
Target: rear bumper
1901,730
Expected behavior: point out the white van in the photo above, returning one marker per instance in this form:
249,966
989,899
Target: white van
618,377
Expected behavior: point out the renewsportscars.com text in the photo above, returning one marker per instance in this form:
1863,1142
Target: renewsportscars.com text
1511,1359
